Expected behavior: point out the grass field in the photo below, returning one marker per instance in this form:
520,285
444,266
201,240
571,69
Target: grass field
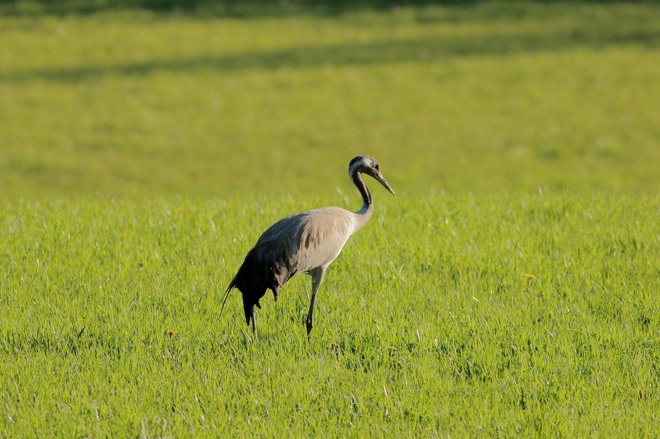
488,98
510,288
519,315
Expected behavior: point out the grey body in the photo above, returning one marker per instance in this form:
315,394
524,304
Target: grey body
309,240
304,243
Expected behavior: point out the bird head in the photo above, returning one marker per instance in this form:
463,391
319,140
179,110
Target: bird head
368,165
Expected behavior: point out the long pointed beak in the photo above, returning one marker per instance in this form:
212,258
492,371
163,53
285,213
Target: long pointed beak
384,182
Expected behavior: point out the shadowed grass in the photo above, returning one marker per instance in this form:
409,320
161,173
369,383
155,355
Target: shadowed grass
422,50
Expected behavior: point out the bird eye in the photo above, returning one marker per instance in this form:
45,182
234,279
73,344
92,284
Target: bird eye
376,166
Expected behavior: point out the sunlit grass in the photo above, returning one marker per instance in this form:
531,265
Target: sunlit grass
431,321
510,288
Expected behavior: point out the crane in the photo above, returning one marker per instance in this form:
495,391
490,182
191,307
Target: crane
304,243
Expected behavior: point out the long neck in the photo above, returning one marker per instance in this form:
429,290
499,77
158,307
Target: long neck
365,212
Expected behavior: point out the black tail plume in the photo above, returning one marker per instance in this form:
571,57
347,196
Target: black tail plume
224,299
252,279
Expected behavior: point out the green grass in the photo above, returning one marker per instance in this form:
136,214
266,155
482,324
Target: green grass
443,334
510,288
485,98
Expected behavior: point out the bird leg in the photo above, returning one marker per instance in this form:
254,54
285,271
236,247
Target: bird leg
254,322
317,278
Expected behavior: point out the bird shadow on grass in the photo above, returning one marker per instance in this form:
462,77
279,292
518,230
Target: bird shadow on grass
382,52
